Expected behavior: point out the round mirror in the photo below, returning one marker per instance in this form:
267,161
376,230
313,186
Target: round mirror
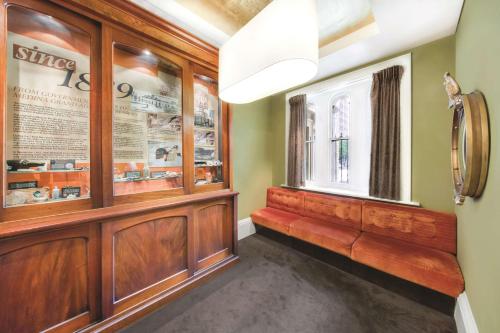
470,146
462,146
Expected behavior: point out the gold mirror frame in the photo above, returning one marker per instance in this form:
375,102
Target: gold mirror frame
469,110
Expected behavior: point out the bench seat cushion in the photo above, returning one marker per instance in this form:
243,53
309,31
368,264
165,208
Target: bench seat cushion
331,236
276,219
431,268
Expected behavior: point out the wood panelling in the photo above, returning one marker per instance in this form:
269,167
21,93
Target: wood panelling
139,264
65,266
144,255
46,280
135,312
13,228
210,235
213,233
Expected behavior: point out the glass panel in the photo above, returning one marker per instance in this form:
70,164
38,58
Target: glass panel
147,122
310,138
207,131
340,117
48,110
339,136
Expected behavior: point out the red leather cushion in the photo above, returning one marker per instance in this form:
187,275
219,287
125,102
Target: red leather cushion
285,199
330,236
275,219
335,209
431,268
416,225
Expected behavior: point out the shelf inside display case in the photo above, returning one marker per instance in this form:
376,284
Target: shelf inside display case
26,186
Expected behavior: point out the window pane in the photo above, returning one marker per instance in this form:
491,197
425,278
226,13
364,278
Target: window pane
48,109
339,129
340,160
310,139
207,131
340,117
147,122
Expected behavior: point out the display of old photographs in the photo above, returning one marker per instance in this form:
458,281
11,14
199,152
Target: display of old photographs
206,124
162,124
148,115
205,107
204,137
204,154
164,97
164,153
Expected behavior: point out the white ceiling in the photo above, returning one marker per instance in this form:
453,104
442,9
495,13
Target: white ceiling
402,25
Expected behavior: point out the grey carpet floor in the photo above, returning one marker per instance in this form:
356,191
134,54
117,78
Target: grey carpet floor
278,289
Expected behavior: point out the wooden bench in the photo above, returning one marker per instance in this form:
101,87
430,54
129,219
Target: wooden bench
414,244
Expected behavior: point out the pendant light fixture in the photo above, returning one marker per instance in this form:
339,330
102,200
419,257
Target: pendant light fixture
276,50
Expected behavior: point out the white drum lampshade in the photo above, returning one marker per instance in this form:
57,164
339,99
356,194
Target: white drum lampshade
276,50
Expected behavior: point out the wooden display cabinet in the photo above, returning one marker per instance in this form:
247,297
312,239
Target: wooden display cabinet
141,223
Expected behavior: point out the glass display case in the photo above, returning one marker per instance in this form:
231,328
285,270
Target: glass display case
207,131
147,122
47,111
97,116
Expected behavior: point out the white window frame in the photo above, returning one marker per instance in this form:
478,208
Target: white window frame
344,81
312,145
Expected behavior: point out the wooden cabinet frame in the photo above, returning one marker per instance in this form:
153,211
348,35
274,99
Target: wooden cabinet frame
108,25
15,213
38,261
111,305
97,220
116,37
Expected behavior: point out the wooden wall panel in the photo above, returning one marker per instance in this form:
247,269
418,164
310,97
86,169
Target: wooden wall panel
148,253
210,235
46,280
213,233
144,255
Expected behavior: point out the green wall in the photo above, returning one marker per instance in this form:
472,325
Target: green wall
478,67
252,154
431,175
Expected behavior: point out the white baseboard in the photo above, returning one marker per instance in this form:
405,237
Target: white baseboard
464,318
245,228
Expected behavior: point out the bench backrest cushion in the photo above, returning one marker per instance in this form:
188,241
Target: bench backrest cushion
285,199
330,208
414,225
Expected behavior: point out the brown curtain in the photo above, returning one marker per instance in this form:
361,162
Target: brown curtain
296,141
385,150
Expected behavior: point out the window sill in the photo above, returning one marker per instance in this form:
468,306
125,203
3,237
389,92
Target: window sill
350,194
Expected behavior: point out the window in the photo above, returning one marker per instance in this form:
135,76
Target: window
339,139
338,131
310,137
